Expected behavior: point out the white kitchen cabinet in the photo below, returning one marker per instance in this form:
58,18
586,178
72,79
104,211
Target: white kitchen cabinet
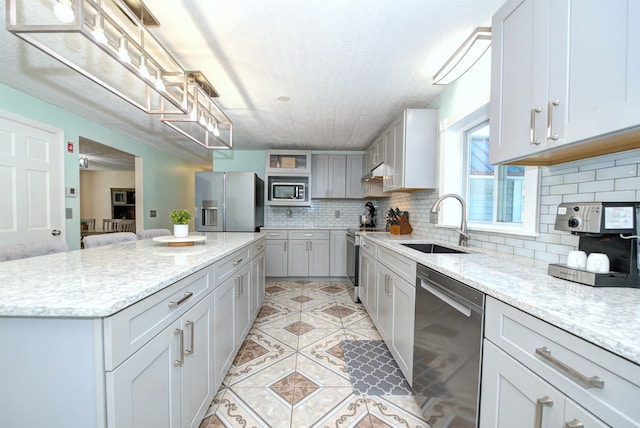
308,253
223,310
174,371
354,187
288,161
242,305
387,290
257,282
329,175
525,360
368,289
554,84
384,318
276,257
410,151
377,153
513,396
403,297
338,264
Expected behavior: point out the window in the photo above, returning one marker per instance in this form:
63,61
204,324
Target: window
493,194
501,199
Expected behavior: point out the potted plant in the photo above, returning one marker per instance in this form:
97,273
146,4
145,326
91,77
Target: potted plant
180,220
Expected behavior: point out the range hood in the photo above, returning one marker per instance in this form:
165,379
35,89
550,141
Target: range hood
376,174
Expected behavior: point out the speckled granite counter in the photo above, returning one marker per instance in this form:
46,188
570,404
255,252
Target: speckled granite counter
608,317
98,282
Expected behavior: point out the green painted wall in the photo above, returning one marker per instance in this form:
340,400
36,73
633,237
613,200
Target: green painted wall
239,160
168,182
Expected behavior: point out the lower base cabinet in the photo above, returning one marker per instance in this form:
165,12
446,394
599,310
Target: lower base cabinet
169,382
257,283
513,396
537,375
390,301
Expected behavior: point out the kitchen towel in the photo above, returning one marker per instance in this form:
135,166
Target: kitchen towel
372,369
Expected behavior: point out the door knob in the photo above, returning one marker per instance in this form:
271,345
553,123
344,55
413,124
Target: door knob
55,232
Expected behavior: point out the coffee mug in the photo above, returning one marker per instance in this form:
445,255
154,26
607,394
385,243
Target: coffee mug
577,259
598,262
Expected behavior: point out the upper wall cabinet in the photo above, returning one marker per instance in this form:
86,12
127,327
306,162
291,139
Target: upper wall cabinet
410,151
329,176
565,78
288,161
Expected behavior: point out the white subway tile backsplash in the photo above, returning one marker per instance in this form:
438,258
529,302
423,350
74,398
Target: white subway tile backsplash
579,177
579,197
524,252
617,172
564,189
596,186
627,183
547,257
627,195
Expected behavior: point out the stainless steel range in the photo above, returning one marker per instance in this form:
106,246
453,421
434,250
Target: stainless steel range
353,256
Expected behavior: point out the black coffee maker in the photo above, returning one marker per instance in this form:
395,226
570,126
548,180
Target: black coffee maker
603,227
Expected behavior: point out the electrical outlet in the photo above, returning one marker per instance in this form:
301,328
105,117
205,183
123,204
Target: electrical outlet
289,213
337,214
152,213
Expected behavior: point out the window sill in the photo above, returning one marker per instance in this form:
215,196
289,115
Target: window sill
492,228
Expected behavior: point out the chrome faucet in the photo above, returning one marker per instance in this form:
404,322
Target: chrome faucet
463,240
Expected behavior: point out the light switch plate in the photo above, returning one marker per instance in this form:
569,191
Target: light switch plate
72,192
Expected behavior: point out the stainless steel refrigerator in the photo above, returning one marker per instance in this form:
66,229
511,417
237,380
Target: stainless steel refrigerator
229,202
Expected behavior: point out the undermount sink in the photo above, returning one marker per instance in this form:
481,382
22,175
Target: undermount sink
433,248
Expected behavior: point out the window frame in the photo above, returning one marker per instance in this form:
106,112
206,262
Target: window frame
453,178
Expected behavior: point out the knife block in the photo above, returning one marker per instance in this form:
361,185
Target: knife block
404,228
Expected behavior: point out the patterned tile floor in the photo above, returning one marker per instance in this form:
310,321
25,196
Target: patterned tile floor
290,371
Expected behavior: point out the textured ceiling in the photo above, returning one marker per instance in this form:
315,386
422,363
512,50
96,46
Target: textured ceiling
348,67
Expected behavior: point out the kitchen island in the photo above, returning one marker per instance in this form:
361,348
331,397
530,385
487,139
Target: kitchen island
123,335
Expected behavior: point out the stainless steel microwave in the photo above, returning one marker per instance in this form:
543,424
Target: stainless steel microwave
288,191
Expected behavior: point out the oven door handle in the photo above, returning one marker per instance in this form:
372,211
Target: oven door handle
437,291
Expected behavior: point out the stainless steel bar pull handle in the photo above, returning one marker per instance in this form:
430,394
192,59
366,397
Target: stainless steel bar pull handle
237,262
540,403
179,362
310,245
550,134
574,424
183,299
285,246
532,139
237,287
191,326
586,381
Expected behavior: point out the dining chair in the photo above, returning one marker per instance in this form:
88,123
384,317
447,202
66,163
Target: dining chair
152,233
93,241
32,249
127,226
90,223
111,224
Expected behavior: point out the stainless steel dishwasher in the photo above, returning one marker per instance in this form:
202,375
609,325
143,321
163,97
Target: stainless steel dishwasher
449,320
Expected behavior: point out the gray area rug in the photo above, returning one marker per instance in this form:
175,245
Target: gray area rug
372,369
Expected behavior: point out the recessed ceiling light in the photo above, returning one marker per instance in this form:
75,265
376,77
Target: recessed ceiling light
283,98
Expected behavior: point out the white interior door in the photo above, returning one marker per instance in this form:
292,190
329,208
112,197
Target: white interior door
31,173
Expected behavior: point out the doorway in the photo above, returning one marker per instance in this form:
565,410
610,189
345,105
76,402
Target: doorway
108,186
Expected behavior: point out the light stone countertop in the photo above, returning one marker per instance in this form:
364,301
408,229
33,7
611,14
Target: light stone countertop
605,316
98,282
303,228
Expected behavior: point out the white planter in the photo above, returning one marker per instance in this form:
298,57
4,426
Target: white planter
180,230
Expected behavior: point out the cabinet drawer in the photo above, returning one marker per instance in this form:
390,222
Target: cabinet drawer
526,338
129,329
228,265
368,246
274,234
400,265
257,248
309,234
